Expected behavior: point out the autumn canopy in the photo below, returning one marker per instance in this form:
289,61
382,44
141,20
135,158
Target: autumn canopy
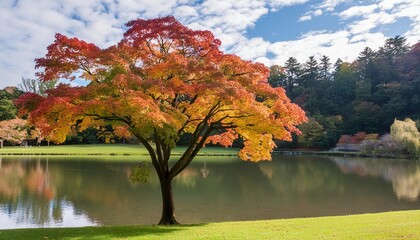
160,81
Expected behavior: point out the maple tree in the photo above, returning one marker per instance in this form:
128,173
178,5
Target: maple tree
160,81
13,130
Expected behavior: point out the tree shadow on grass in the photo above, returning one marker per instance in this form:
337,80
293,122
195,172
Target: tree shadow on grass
94,233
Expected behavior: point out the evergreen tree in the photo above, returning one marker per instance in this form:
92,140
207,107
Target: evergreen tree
365,64
337,65
393,49
310,72
324,67
292,72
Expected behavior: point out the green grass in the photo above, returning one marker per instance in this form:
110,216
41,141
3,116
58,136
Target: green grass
390,225
104,149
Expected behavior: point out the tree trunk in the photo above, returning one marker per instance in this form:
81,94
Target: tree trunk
168,217
160,157
1,143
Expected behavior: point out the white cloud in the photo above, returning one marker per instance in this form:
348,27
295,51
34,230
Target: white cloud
410,10
317,12
358,11
185,11
231,15
308,16
370,22
28,26
329,5
390,4
390,12
255,48
320,9
305,18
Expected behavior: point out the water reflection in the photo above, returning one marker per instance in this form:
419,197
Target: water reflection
41,192
404,175
204,171
27,198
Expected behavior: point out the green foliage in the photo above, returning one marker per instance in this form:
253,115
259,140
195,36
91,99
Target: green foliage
312,132
406,133
310,72
293,72
332,129
340,93
363,90
324,66
368,93
93,135
393,48
10,93
7,110
365,117
140,173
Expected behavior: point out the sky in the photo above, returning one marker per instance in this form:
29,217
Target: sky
267,31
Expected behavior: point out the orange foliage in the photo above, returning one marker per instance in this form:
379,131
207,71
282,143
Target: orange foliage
38,182
160,81
13,130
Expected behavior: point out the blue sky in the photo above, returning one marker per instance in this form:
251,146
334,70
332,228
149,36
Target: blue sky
284,25
267,31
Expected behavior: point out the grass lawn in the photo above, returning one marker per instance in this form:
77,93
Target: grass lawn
104,149
390,225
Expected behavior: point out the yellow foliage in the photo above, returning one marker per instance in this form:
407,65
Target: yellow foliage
407,133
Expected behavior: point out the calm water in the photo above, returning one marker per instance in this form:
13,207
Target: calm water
42,192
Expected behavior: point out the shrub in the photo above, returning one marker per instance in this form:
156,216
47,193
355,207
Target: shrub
389,147
406,133
368,146
385,146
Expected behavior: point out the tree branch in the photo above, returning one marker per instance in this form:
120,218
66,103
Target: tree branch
161,153
202,129
151,151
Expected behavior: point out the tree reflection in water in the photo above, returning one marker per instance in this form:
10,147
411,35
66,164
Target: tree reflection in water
404,175
27,194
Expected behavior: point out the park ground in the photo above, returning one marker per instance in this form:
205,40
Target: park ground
389,225
105,149
135,150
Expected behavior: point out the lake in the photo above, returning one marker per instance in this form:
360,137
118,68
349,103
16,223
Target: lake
55,192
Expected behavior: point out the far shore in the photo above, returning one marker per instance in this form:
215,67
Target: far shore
138,150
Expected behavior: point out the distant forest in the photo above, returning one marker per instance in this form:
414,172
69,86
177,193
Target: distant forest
346,98
339,98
